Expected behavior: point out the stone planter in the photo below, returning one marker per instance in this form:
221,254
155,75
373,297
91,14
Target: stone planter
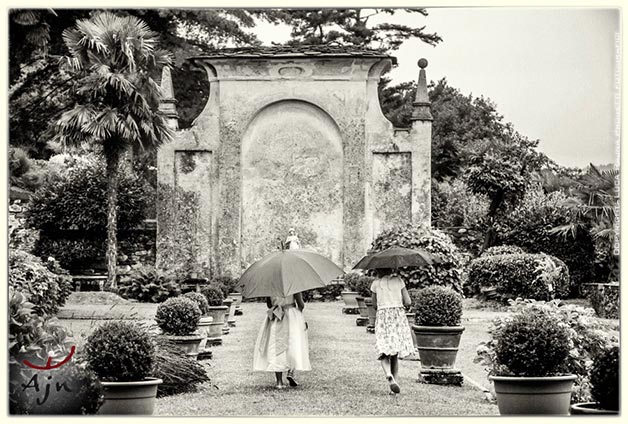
129,397
438,348
533,395
231,321
591,408
225,326
215,328
237,297
203,329
351,304
190,344
372,314
363,319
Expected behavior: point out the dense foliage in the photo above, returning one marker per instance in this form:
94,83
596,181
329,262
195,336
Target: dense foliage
201,301
588,336
529,226
504,249
45,285
446,272
120,351
605,301
179,373
437,306
605,378
178,316
533,344
226,283
214,295
145,284
530,276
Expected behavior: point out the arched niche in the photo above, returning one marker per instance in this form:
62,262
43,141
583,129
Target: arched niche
292,176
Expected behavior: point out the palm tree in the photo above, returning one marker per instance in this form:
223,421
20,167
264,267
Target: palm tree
114,59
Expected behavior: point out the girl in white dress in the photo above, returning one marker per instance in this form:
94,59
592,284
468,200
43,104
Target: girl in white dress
282,340
292,241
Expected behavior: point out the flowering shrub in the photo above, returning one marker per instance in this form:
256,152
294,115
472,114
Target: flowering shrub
587,337
201,301
504,249
605,378
437,306
532,276
145,284
45,289
120,351
214,295
445,273
178,316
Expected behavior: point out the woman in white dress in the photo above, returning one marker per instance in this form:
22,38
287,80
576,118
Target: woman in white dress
282,340
292,241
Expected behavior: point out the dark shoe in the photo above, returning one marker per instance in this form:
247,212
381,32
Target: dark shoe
394,387
291,380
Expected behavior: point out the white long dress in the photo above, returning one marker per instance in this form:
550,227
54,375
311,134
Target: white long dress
282,340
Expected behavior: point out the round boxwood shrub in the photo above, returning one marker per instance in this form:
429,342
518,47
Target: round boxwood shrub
437,306
178,316
46,285
605,378
445,273
504,249
527,275
533,344
214,295
120,351
201,301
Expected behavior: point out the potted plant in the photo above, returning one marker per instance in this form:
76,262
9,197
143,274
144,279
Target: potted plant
363,287
349,295
217,311
530,354
205,320
604,377
178,318
437,325
122,355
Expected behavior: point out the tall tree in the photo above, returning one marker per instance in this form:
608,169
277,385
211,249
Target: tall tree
349,26
113,61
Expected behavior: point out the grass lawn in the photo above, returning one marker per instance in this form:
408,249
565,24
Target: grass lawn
346,378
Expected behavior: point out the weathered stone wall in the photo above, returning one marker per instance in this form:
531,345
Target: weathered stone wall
287,143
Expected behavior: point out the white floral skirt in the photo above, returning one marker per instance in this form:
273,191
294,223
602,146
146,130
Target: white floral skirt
392,333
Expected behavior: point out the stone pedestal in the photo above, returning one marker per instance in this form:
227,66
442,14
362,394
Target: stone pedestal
441,376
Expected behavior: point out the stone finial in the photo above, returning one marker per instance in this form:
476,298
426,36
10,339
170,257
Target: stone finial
168,103
421,102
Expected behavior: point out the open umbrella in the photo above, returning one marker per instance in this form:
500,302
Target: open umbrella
396,257
288,272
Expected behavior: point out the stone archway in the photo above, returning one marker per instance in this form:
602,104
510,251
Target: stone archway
292,176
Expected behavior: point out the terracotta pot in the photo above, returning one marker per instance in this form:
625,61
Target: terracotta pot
129,397
218,314
362,307
190,344
349,297
533,395
438,346
590,408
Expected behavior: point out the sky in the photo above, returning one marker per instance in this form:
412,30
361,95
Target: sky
551,72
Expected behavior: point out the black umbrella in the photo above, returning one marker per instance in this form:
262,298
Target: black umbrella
397,257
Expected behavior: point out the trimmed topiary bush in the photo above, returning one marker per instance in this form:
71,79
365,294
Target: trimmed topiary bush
504,249
45,289
533,344
145,284
605,378
178,316
363,285
201,301
214,295
120,351
437,306
446,273
531,276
